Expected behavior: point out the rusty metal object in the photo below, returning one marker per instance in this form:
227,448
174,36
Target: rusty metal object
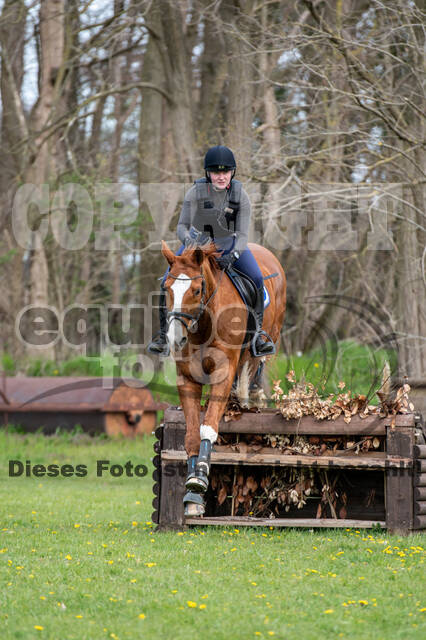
97,404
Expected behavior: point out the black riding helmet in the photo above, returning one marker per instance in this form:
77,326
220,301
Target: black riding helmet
219,158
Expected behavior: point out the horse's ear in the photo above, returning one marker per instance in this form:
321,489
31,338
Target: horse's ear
167,253
198,256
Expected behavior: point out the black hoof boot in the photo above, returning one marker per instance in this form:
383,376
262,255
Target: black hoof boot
194,481
194,504
203,463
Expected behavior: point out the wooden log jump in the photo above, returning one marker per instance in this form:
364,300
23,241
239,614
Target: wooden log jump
386,487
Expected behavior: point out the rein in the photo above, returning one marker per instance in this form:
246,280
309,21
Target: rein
194,318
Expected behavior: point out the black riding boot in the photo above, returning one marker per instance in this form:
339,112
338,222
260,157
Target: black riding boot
159,344
261,344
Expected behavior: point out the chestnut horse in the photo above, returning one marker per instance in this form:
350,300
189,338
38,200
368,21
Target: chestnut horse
207,322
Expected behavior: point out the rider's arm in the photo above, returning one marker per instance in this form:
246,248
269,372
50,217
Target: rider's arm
242,223
187,214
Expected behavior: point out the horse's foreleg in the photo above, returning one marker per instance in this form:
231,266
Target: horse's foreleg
190,398
210,428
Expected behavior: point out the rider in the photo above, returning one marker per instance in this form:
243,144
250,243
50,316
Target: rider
218,208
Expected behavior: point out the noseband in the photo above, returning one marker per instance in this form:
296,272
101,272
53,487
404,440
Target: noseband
194,318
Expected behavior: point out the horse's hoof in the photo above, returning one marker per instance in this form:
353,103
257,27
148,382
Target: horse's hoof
197,483
194,504
193,510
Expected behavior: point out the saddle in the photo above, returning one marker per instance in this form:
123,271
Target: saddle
246,288
248,293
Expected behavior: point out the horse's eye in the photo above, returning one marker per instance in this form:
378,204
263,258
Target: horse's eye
197,292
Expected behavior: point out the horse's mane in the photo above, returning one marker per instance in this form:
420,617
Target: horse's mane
209,250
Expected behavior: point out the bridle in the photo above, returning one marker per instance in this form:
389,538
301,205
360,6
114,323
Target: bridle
194,318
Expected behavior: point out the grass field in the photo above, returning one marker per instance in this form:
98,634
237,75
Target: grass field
79,558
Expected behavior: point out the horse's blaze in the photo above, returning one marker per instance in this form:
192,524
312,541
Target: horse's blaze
179,288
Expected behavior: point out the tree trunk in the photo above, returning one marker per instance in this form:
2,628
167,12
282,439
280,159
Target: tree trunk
48,155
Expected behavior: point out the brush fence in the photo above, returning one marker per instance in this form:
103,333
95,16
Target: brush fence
384,486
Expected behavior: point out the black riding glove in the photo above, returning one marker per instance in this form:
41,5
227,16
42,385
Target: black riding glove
196,238
225,261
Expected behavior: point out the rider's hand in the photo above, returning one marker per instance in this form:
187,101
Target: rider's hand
225,261
196,238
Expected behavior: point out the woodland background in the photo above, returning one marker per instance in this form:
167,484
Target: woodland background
323,104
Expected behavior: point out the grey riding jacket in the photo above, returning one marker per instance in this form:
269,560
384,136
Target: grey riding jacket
204,209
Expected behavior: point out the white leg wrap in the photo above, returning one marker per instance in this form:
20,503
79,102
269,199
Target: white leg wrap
208,433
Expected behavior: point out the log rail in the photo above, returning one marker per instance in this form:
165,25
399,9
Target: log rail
402,465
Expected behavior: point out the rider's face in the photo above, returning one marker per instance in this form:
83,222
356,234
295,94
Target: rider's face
220,179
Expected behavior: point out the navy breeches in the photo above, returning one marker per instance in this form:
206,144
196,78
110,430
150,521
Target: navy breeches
248,265
245,263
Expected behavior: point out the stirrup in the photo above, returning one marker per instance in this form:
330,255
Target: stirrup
270,348
159,345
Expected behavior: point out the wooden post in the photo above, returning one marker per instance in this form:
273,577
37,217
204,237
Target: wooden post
173,475
399,482
419,519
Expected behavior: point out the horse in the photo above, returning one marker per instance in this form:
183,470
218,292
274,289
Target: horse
207,325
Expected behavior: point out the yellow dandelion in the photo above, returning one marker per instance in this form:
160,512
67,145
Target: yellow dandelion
329,611
191,604
79,616
76,525
38,627
142,616
150,564
174,590
68,557
202,606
